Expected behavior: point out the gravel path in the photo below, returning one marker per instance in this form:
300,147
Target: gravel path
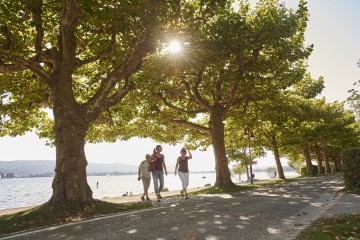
279,211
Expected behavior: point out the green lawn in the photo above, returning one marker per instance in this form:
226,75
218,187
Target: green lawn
338,228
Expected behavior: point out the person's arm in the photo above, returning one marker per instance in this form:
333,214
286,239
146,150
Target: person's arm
152,158
164,165
190,156
139,172
177,164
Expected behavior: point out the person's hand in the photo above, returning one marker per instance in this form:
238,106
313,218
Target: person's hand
165,173
175,173
139,178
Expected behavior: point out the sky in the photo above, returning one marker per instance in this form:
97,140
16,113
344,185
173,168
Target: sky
334,30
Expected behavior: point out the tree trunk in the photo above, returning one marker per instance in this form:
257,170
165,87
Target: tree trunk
326,160
318,158
337,164
247,172
279,167
70,183
309,166
223,178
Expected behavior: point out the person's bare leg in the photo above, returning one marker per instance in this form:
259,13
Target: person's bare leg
186,193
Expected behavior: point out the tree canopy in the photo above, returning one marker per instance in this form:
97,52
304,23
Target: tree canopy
102,68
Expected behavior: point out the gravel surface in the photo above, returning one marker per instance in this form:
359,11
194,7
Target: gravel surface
279,211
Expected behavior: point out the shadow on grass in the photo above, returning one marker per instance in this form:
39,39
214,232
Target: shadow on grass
48,215
345,227
242,187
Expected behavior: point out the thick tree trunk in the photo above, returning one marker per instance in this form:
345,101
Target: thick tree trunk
318,159
70,183
326,160
223,177
309,166
279,167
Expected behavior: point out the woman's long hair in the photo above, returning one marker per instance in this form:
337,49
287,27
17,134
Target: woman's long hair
157,146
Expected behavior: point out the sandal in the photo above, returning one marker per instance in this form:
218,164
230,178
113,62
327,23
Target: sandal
147,199
142,198
182,193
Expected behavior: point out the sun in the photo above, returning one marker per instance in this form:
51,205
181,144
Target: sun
174,46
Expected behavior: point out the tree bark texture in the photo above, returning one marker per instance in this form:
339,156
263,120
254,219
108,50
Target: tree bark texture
279,167
337,164
309,166
318,159
223,177
70,183
326,160
247,172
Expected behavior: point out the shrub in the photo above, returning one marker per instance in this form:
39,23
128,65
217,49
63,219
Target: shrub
303,170
351,168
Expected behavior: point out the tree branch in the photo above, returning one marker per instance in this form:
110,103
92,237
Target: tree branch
9,68
219,86
131,64
244,66
103,54
23,64
5,30
188,89
202,130
120,94
177,108
70,18
35,7
197,96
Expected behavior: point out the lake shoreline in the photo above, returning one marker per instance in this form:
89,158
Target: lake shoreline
22,193
119,199
124,199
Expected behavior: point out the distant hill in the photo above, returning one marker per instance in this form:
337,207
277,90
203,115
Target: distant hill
26,168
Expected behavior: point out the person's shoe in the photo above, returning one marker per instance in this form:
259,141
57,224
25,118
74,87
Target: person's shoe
158,200
147,199
182,193
142,198
186,197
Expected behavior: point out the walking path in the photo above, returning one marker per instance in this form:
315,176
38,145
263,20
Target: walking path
278,211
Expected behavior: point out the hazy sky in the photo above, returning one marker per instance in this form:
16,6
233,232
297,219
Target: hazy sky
334,30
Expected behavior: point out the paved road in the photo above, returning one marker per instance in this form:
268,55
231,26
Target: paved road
276,212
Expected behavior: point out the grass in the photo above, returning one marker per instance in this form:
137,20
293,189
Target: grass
48,215
346,227
242,187
220,190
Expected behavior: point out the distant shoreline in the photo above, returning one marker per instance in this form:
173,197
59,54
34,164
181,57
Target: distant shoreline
117,174
102,174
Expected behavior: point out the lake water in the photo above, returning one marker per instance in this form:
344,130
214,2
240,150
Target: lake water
22,192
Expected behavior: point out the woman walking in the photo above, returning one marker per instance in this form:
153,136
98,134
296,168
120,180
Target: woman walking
144,175
158,167
183,169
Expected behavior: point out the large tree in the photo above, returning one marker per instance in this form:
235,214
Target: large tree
228,60
77,58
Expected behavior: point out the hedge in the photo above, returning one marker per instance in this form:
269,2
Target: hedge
351,168
303,170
